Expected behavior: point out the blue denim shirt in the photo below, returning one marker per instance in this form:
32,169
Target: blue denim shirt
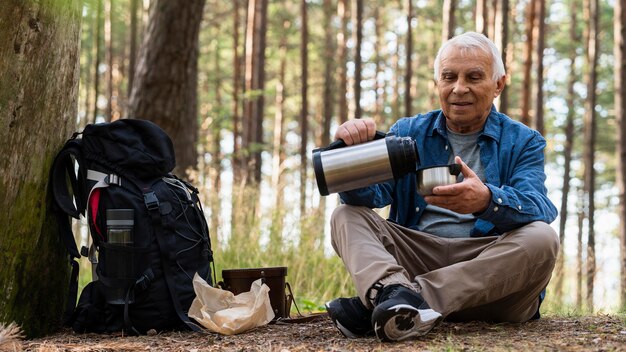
511,154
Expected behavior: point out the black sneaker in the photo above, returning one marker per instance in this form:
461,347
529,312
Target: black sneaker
351,317
401,313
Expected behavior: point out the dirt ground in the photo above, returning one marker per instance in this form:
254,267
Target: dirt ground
596,333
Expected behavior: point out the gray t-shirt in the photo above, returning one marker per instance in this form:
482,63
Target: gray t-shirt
443,222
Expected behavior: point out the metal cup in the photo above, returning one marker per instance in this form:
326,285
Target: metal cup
433,176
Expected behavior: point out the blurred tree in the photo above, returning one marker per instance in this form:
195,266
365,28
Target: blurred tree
525,117
304,108
342,35
165,83
567,149
358,66
447,32
590,143
619,46
408,74
252,131
540,30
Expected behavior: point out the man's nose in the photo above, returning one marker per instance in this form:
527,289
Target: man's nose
460,87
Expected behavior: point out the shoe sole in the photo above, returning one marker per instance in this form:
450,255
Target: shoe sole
404,321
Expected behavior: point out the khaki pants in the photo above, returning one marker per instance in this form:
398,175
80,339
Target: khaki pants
488,278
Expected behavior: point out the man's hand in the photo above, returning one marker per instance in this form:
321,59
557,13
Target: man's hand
468,196
356,131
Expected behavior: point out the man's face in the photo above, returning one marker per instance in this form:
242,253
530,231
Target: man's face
466,88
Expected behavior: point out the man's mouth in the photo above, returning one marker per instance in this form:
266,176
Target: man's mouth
461,103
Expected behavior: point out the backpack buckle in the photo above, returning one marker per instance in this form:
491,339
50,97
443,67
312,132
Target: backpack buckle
113,179
151,200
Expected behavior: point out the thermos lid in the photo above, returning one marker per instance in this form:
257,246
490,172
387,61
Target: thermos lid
120,217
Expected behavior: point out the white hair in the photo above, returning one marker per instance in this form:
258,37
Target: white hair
471,41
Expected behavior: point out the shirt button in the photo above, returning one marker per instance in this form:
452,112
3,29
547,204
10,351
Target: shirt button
417,209
446,147
519,207
495,208
500,200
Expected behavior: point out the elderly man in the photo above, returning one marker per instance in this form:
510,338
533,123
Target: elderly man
480,249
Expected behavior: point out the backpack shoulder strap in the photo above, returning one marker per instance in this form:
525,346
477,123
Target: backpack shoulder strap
152,203
63,174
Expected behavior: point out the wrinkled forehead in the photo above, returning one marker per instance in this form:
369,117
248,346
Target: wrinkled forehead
466,57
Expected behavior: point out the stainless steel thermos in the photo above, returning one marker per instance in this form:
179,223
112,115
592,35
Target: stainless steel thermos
120,261
341,168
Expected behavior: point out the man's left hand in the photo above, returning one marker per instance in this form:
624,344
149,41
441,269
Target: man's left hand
468,196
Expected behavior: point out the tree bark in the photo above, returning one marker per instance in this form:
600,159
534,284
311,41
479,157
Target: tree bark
304,124
39,75
589,145
619,49
166,79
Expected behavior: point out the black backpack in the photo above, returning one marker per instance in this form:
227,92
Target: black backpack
147,227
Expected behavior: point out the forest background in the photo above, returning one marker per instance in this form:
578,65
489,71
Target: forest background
273,80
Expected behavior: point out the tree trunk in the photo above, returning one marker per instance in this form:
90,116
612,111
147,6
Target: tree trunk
409,51
540,27
304,124
260,31
132,56
619,49
108,44
236,158
528,63
378,85
329,55
482,16
358,39
579,252
166,80
502,42
567,154
215,174
448,24
88,45
39,75
395,80
342,13
278,149
252,133
589,146
96,81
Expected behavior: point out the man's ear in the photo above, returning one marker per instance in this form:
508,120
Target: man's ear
500,86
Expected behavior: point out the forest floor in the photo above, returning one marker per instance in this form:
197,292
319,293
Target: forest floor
589,333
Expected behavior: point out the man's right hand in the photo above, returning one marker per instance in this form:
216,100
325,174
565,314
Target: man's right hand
356,131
